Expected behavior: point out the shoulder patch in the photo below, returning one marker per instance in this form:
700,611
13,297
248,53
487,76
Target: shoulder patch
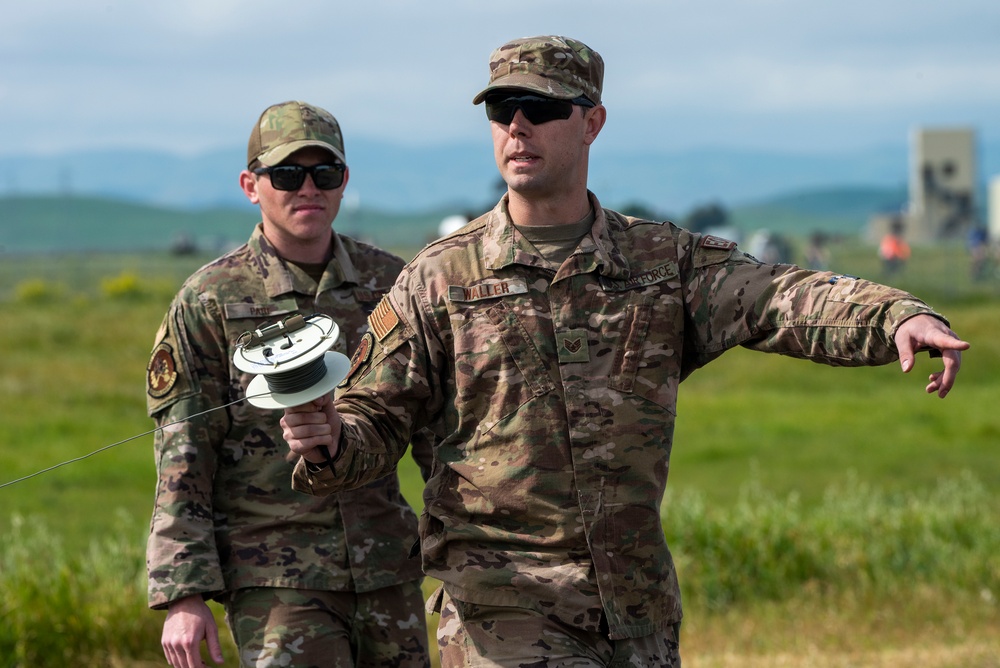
383,319
716,243
161,372
361,355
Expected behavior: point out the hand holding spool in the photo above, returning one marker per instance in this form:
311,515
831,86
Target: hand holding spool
292,361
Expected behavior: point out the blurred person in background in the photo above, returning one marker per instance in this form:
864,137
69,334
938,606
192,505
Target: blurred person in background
893,249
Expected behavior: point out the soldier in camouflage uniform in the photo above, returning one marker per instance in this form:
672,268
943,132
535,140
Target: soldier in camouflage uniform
305,581
544,344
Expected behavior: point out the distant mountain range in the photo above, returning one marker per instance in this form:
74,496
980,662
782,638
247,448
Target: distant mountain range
397,196
402,179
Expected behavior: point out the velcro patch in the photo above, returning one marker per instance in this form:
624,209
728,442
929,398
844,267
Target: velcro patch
361,355
239,310
641,279
572,346
383,319
487,290
161,372
716,243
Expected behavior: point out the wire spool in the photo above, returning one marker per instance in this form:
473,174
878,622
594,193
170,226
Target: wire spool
291,360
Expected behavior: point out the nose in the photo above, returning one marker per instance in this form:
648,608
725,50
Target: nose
519,124
308,186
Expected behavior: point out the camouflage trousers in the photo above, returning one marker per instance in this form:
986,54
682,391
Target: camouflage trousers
478,636
303,628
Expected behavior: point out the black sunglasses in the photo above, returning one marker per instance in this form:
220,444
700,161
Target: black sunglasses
536,108
291,177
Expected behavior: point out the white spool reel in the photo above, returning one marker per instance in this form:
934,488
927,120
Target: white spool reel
282,355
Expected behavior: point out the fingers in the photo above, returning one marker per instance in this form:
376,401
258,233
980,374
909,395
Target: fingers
189,621
214,646
941,382
307,428
305,431
311,407
928,333
186,653
905,348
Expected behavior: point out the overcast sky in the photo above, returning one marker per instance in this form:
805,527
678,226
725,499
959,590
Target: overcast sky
797,75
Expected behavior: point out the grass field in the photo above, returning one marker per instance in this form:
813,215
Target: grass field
882,497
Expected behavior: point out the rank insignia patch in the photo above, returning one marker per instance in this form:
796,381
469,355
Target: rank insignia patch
161,374
718,243
572,346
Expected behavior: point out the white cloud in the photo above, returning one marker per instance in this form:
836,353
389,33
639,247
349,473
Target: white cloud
191,75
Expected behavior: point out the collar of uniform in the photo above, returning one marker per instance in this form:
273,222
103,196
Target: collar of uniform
340,270
279,280
606,235
269,266
500,248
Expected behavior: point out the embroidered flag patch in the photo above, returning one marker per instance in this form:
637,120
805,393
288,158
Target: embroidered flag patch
383,319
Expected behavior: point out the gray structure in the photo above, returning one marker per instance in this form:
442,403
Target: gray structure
994,211
942,184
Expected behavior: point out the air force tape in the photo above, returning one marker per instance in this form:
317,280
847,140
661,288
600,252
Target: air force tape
291,360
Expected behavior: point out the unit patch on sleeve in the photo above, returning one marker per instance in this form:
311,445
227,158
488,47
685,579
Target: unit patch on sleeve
361,355
383,319
161,373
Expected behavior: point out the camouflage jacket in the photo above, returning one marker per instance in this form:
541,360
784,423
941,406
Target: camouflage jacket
225,515
553,397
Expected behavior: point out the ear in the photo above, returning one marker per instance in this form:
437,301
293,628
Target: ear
248,183
347,177
594,120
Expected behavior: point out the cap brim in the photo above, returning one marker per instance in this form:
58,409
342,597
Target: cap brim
279,154
337,365
531,82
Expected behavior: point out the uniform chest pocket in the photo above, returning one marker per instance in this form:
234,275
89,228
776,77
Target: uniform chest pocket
646,360
495,357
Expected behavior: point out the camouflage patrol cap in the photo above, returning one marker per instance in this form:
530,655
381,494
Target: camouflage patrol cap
285,128
551,65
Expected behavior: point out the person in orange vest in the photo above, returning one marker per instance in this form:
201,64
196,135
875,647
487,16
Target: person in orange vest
893,250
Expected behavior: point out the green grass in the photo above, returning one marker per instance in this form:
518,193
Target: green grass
792,484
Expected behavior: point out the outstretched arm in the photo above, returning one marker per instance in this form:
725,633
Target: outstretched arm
925,332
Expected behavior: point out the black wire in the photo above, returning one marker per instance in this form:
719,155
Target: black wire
288,382
130,438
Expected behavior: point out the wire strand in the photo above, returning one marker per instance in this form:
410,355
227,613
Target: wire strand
130,438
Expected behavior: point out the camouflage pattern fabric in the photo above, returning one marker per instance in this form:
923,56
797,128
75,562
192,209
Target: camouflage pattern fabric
285,128
551,65
553,396
225,516
472,635
300,628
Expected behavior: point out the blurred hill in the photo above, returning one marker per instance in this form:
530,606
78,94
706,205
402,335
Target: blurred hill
56,224
462,177
52,223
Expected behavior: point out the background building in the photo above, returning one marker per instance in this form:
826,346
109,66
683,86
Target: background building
943,179
994,211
